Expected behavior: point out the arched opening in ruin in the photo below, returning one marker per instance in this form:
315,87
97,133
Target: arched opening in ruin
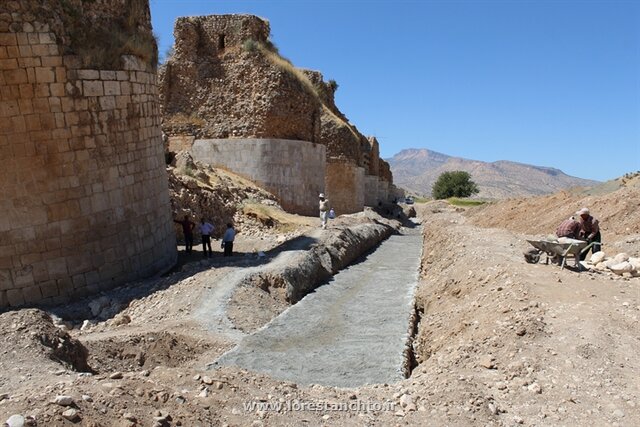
220,41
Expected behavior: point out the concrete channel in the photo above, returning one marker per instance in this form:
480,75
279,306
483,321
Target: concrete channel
351,331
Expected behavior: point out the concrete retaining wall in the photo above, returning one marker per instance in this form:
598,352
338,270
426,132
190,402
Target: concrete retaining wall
344,185
293,171
371,190
383,190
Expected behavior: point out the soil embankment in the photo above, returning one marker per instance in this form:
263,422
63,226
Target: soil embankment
508,342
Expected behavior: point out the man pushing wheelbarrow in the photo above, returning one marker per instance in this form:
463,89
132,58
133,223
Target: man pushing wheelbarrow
574,239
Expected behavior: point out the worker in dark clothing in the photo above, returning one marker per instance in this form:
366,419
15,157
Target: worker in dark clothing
187,230
589,231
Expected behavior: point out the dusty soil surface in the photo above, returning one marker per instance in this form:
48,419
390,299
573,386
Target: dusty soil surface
499,341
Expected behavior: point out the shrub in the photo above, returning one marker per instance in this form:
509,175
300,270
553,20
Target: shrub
101,42
250,45
454,184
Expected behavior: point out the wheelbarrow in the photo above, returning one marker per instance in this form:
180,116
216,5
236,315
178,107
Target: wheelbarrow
560,250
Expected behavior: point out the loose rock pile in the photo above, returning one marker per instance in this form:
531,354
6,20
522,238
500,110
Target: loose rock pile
621,264
201,191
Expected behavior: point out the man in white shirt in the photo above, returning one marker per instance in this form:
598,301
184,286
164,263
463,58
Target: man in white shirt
227,240
324,209
206,229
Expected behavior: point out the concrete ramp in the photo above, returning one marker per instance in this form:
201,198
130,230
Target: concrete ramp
349,332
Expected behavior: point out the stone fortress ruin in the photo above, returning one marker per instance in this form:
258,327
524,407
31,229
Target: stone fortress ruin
232,101
83,189
84,198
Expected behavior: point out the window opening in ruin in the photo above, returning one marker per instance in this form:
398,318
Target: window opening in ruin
220,41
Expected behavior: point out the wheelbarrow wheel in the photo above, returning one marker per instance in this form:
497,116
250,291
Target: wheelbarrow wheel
532,256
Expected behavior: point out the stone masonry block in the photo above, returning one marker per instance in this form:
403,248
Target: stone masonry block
6,279
46,38
45,75
49,289
41,91
15,77
40,50
93,88
8,64
8,39
88,74
9,108
61,74
107,102
32,294
65,286
107,75
112,88
51,61
15,297
57,267
25,51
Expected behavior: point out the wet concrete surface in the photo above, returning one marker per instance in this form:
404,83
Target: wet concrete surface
349,332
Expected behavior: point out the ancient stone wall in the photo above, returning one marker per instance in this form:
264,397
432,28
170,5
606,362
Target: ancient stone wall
372,156
383,191
385,171
225,80
179,143
396,193
293,171
83,189
344,187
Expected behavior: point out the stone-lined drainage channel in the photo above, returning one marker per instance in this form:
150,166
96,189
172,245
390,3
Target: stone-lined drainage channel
355,330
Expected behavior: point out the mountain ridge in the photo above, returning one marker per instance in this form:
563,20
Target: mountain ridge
416,169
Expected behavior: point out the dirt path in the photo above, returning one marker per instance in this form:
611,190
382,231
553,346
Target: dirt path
213,303
350,332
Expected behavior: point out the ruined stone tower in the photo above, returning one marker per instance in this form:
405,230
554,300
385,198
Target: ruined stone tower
84,203
235,103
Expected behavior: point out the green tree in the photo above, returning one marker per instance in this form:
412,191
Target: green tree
454,184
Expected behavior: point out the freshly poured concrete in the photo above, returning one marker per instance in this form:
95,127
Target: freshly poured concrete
349,332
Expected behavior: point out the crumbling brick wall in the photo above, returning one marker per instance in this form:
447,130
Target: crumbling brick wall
83,189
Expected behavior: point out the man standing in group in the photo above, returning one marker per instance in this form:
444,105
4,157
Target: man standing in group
227,240
206,229
589,230
187,230
324,209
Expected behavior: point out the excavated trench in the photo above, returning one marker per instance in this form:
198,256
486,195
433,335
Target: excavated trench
356,329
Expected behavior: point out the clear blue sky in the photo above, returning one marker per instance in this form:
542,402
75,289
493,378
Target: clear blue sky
549,82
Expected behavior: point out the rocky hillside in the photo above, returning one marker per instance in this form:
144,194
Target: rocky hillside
417,169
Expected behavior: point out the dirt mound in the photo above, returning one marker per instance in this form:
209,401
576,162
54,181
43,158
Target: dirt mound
503,342
618,211
201,191
132,353
33,332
